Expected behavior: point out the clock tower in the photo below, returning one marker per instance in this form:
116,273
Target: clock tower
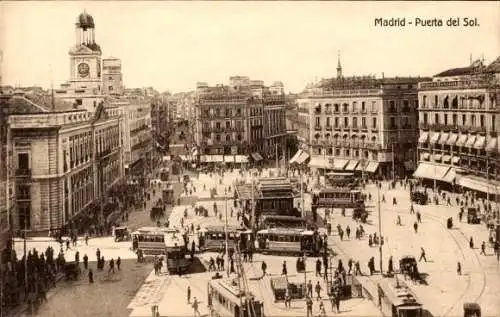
84,88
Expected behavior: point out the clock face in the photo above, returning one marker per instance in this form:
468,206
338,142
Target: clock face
83,69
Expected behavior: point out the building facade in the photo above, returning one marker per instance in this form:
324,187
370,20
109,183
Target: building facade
361,123
459,120
62,161
241,118
112,76
5,202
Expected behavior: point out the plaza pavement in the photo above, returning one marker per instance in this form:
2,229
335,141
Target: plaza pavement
445,291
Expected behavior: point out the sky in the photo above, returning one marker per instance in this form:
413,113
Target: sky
173,45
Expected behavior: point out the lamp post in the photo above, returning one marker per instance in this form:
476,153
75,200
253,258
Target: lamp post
226,236
379,228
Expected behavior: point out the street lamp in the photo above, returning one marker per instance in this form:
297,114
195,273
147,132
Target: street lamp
379,228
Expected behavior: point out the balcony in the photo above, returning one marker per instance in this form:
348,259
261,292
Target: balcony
355,128
364,128
23,172
328,128
363,111
374,129
338,128
317,128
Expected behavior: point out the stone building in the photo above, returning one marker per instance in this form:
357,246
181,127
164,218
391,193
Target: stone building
459,122
360,124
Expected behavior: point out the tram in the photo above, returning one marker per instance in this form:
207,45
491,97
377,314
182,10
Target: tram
176,252
273,221
226,300
337,197
214,237
151,240
395,299
286,240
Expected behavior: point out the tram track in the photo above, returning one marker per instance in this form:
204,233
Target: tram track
462,251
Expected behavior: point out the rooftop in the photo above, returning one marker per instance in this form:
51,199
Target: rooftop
37,103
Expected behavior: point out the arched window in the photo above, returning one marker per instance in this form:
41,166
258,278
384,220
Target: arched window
228,137
374,139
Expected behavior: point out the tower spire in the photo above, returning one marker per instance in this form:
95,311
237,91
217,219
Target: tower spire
339,66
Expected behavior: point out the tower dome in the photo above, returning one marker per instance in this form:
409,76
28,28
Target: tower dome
85,21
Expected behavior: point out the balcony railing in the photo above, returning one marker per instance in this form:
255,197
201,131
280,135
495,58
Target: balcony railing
317,128
23,172
328,128
346,144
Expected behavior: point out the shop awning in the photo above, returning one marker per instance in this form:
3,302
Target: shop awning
351,166
372,167
229,158
480,142
361,166
449,177
461,140
476,183
217,158
424,137
446,158
434,137
452,139
209,158
470,141
339,164
431,171
240,159
320,162
437,157
256,156
302,158
443,138
492,145
424,156
295,157
455,160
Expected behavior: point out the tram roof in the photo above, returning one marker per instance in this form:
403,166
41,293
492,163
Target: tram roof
171,240
156,230
226,289
398,293
283,217
286,231
336,190
220,228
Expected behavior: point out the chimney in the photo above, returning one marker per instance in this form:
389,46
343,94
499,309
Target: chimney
382,75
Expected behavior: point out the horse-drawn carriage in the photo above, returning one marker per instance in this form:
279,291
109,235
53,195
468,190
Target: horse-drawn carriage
72,271
419,197
408,267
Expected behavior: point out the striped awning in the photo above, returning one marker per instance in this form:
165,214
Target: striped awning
452,139
424,137
256,156
229,158
431,171
492,145
443,138
434,137
339,164
480,142
470,141
351,166
372,167
319,162
462,139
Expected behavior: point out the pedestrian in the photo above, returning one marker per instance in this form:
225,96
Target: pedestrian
483,248
287,298
398,221
77,257
111,266
422,255
309,289
284,271
419,217
459,268
415,227
67,244
349,265
85,261
390,268
317,288
318,268
98,254
118,262
322,311
471,243
309,304
86,239
195,307
189,294
348,232
91,276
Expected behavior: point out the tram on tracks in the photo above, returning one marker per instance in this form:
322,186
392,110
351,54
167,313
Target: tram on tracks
337,197
287,240
213,238
151,240
176,252
225,299
395,299
274,221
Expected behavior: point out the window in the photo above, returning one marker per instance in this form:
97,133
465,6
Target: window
493,125
374,106
481,121
328,123
23,192
435,101
110,77
392,106
110,88
436,118
217,125
355,122
217,137
454,119
336,107
317,121
354,106
78,102
336,120
23,162
393,122
228,137
473,120
228,124
345,107
346,121
363,122
464,119
424,101
24,216
445,119
239,137
228,112
363,106
426,119
374,123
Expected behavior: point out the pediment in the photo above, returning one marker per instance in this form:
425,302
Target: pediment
80,49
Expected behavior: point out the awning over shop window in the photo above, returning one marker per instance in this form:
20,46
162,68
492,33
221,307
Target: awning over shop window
424,156
424,137
480,142
446,158
478,184
361,166
256,156
443,138
339,164
319,162
492,145
437,157
302,158
241,159
449,177
351,166
295,157
452,139
434,137
218,158
372,167
455,160
461,140
431,171
470,141
229,158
